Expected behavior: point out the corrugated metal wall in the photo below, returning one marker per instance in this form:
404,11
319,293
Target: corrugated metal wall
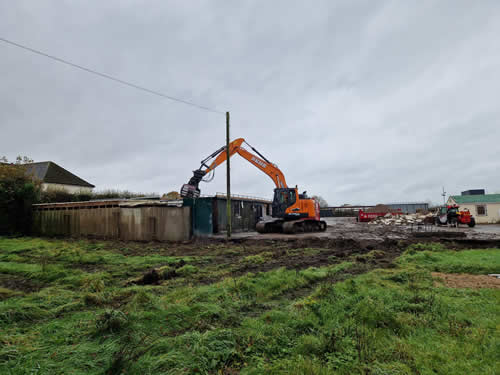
202,215
410,208
144,223
244,214
155,223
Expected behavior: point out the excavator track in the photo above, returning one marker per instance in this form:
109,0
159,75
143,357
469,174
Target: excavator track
304,226
270,226
291,227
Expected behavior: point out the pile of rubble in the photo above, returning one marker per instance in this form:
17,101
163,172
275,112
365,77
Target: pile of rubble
390,219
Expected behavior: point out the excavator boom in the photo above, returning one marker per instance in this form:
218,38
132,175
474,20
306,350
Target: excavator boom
191,189
292,212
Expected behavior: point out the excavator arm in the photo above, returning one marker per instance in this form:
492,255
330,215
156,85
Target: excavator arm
192,190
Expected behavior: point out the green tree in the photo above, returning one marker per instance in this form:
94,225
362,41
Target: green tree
18,192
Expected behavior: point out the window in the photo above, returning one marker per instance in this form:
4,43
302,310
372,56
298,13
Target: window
237,206
288,197
481,210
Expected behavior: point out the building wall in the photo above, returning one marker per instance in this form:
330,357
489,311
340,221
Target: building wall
492,212
410,208
244,214
342,211
73,189
202,215
110,221
474,192
155,223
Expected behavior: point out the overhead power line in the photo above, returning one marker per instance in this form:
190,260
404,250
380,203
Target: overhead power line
107,76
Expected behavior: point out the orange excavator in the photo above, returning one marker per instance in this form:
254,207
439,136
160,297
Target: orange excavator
291,212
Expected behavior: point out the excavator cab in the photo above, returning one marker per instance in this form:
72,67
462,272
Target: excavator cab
283,198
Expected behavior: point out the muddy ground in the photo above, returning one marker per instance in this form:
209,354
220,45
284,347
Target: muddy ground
218,258
215,259
19,284
348,228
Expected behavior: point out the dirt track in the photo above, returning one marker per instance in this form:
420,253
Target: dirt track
466,281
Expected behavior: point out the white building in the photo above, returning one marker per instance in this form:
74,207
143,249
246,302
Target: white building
485,208
54,177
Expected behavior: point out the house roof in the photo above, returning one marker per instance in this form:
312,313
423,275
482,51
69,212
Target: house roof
486,198
50,172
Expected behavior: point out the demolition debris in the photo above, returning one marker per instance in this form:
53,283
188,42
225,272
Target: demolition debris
410,219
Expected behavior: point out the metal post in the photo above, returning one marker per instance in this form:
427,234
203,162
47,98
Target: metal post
228,179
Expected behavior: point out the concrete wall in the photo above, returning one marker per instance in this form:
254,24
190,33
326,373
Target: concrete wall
109,220
492,212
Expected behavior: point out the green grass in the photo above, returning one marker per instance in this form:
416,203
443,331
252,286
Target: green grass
482,261
77,252
260,258
87,318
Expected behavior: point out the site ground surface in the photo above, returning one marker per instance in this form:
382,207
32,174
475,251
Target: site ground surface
348,228
322,305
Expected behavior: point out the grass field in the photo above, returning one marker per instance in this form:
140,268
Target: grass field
90,307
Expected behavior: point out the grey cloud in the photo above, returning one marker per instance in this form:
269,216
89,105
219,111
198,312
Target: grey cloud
357,101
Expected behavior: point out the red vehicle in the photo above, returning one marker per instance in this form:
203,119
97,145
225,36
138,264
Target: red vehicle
453,216
364,217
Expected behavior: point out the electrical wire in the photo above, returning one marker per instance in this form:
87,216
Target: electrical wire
107,76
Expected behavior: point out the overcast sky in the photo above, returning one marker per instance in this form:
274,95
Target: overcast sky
356,101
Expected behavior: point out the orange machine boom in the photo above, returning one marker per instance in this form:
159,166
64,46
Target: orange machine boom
291,211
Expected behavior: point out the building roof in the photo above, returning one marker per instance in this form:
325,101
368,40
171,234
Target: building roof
50,172
485,198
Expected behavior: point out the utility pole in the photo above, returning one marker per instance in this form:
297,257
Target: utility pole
444,197
228,179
